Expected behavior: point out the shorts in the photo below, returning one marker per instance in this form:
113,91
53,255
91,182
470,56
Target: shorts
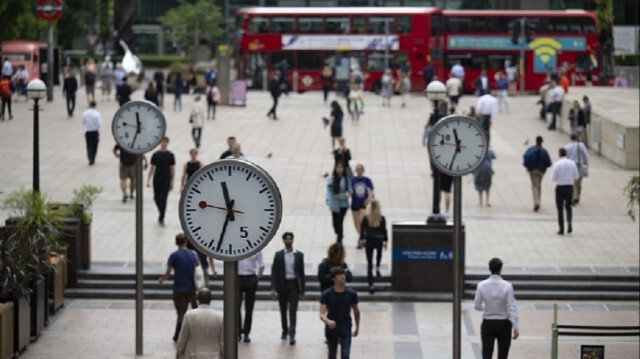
358,208
128,171
91,89
445,182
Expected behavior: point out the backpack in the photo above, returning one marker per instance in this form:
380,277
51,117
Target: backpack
5,89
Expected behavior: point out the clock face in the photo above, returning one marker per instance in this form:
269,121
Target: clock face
230,209
138,126
457,145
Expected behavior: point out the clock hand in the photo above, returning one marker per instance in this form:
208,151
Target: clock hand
224,227
453,159
204,204
455,134
227,200
137,129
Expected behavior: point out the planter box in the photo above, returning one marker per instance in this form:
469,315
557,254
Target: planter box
38,307
56,282
22,323
85,247
7,345
71,238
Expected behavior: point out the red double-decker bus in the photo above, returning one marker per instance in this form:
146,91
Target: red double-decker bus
343,38
480,39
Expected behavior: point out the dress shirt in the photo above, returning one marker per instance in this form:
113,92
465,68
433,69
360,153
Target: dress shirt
565,172
289,260
577,149
250,266
484,82
7,68
556,94
457,70
487,105
92,120
495,298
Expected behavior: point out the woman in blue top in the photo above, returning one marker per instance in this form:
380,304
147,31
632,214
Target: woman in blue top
482,177
360,197
337,198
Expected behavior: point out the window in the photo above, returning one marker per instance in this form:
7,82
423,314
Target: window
560,24
310,60
377,24
282,25
376,61
337,25
588,26
435,52
458,24
258,25
575,25
358,25
310,25
436,25
404,25
278,56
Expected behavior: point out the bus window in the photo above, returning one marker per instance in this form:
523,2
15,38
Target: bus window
356,60
436,25
254,64
310,60
545,25
400,58
496,62
588,26
337,25
435,52
358,24
282,25
404,25
278,56
376,24
258,25
459,24
310,25
376,61
575,25
560,24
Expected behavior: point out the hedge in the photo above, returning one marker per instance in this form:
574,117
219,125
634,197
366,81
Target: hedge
148,60
627,60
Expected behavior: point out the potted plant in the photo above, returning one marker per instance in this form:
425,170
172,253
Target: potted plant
80,208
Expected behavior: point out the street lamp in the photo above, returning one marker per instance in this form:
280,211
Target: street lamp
436,91
36,90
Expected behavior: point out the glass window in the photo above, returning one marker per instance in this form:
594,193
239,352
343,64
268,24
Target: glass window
459,24
310,60
496,62
588,26
282,25
310,25
376,61
337,25
561,25
404,25
358,25
400,58
575,25
545,25
278,56
258,25
435,52
376,24
436,25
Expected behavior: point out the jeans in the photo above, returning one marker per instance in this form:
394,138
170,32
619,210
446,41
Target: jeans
342,335
370,247
71,103
492,330
160,194
338,223
196,133
181,303
289,298
564,196
554,108
177,102
92,138
249,286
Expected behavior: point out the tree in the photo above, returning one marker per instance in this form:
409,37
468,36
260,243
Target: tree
73,22
19,21
604,13
632,192
192,21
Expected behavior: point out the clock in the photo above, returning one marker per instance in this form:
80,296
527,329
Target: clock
457,145
138,126
230,209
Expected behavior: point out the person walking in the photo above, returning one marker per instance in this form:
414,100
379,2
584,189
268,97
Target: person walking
5,96
374,238
482,84
564,174
335,258
621,80
555,95
502,85
335,119
577,152
487,107
202,332
495,299
249,273
343,154
360,197
92,121
118,75
336,304
356,103
231,143
158,77
326,80
191,167
213,97
178,89
69,89
404,86
123,92
90,75
106,77
7,68
162,170
454,90
127,170
586,109
288,284
427,74
21,78
151,94
275,91
183,263
337,198
482,177
576,118
386,88
197,120
536,160
457,70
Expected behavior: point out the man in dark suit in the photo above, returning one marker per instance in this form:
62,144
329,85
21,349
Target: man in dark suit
287,280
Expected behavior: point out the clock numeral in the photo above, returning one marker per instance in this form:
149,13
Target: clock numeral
243,232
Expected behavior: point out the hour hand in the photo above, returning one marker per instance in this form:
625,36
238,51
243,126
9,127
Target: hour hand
227,200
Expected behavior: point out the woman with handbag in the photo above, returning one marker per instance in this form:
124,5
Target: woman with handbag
196,118
374,237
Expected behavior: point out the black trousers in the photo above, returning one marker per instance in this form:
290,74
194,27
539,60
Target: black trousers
211,106
71,103
160,194
196,133
248,286
325,93
369,248
486,124
92,138
289,300
492,330
181,303
564,196
6,101
272,111
338,223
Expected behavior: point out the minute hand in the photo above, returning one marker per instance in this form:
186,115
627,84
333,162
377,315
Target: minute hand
224,228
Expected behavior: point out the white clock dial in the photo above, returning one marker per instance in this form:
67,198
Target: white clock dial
230,209
138,126
457,145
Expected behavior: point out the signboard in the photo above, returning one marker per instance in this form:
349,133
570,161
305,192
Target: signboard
339,42
592,352
423,255
49,10
625,39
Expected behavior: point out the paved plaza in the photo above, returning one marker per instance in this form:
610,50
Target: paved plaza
296,151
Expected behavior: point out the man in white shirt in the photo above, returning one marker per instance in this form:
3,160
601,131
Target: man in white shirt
7,68
487,106
555,97
202,334
495,298
564,174
454,90
92,121
577,152
249,272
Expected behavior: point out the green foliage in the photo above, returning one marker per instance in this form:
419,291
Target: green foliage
627,60
81,204
148,60
191,21
632,192
74,21
19,21
604,13
105,14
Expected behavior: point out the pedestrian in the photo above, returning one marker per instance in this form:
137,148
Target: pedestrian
360,197
183,263
213,97
543,92
335,120
482,83
336,304
495,299
178,89
576,119
326,80
191,167
487,106
564,81
342,154
106,76
250,271
158,77
445,180
577,152
427,74
536,160
90,76
6,87
151,94
236,152
621,80
586,109
512,74
283,69
564,174
454,91
127,170
190,81
482,177
404,85
211,76
274,90
21,77
7,68
196,118
69,89
502,85
374,238
337,198
162,170
231,142
202,332
204,262
118,75
335,258
555,95
457,70
356,103
123,92
92,121
386,88
288,285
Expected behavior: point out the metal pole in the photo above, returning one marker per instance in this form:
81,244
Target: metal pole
230,310
554,333
50,66
457,282
36,146
386,44
139,276
521,40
